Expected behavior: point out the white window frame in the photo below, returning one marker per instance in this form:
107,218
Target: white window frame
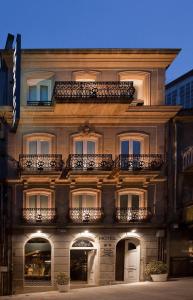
38,83
85,140
142,198
84,193
39,140
38,194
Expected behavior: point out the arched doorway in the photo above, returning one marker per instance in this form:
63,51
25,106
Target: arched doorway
83,261
37,265
127,266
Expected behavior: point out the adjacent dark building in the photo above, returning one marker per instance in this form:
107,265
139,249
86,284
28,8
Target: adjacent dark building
180,91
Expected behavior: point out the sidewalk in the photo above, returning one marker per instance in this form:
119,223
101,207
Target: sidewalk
176,289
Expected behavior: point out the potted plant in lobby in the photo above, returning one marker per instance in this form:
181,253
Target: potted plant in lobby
157,269
63,282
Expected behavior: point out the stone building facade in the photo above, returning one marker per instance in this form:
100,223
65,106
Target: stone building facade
89,192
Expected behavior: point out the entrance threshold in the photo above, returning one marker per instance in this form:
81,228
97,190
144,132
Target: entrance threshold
80,284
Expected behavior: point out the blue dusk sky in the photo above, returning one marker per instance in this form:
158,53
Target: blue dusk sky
103,24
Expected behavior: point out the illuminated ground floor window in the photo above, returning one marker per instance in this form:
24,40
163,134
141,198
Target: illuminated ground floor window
37,261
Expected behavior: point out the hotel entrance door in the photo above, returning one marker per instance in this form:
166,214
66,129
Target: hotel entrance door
78,265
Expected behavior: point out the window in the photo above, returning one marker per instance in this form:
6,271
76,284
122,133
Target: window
38,207
84,200
141,83
130,147
39,91
134,199
37,262
85,147
39,146
38,200
133,143
132,206
85,206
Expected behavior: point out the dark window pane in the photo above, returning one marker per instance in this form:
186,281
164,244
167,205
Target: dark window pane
135,202
131,246
123,201
32,93
136,147
43,93
125,147
79,147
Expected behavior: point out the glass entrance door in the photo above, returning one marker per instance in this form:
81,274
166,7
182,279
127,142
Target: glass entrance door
79,265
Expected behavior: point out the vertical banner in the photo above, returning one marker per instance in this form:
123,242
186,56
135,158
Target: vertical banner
16,82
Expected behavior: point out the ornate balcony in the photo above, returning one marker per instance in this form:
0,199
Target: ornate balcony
89,162
141,162
97,92
188,159
85,215
39,215
129,215
40,163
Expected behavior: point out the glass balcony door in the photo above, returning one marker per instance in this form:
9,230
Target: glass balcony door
131,207
84,158
85,208
38,202
38,208
85,147
130,154
84,201
39,147
129,201
130,147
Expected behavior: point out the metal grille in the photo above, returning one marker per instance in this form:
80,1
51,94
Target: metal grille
39,215
113,91
86,215
137,162
127,215
40,163
90,162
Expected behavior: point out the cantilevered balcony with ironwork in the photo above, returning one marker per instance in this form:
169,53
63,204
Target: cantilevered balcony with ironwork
131,215
89,162
139,162
86,215
40,163
188,159
39,216
97,92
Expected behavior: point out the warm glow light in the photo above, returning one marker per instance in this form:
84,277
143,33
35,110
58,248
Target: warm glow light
86,234
130,234
39,234
133,231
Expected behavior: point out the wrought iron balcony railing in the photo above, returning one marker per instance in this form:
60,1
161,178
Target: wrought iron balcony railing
134,162
188,158
40,163
89,162
127,215
85,215
39,215
109,91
